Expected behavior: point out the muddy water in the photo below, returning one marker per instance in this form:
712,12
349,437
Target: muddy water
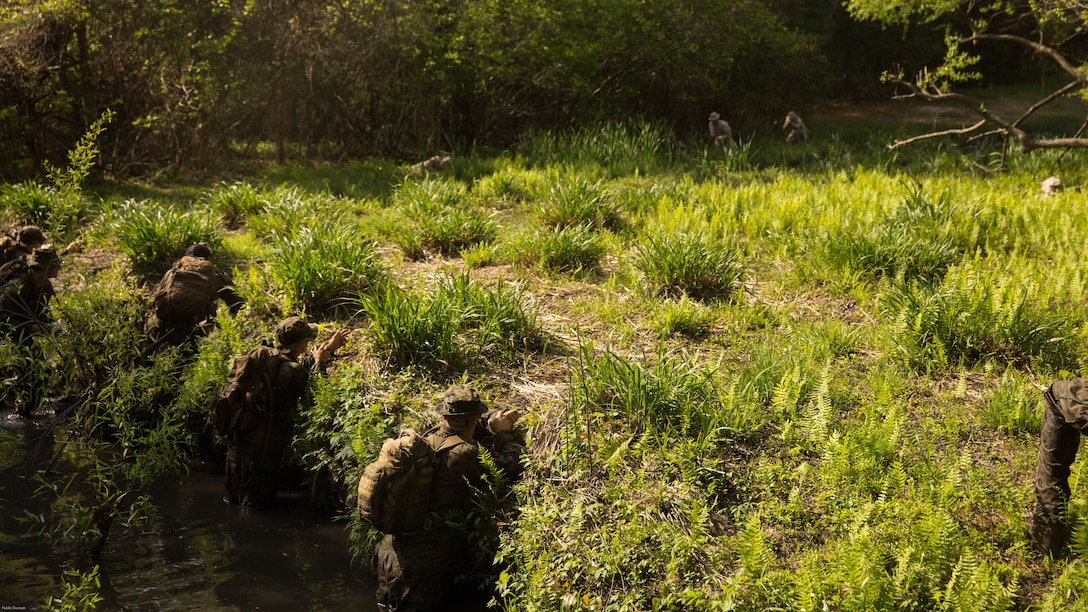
197,553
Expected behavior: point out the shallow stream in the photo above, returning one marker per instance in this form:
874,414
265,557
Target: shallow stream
196,553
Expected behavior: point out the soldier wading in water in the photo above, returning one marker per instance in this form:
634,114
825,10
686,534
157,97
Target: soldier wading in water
416,571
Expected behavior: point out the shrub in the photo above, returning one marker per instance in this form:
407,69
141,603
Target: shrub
570,249
691,265
443,219
151,234
579,202
321,265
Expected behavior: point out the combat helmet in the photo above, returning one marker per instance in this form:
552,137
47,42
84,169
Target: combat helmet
293,331
462,400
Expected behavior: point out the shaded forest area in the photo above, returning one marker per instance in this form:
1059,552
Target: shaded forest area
196,84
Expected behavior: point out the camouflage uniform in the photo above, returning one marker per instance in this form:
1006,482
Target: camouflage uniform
1065,419
27,238
416,571
254,453
165,328
23,314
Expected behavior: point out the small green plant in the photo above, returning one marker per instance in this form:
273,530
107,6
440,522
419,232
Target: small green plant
152,234
692,265
570,249
324,264
580,202
236,202
81,592
683,317
69,208
1014,406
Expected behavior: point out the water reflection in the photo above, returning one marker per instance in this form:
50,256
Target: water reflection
197,553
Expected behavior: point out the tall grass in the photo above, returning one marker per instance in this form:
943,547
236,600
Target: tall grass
456,324
579,202
691,265
567,250
970,319
151,233
442,218
325,264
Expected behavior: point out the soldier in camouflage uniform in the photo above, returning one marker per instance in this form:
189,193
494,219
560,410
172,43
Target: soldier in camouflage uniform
23,242
798,131
24,299
416,571
1065,419
254,453
181,311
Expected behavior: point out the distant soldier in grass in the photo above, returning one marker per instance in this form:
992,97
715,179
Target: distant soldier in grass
24,301
796,130
264,414
720,132
183,304
416,571
1064,421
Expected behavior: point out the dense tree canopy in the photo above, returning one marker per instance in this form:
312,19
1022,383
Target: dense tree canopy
193,83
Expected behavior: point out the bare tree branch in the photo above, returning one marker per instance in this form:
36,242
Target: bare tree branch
952,132
978,107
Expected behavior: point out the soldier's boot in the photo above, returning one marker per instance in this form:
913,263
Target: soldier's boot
1048,535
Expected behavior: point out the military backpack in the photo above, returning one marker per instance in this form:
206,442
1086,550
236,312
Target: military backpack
247,393
395,490
187,290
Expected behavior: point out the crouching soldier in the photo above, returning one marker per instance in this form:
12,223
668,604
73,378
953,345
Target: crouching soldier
416,571
184,302
260,403
1064,421
24,301
21,243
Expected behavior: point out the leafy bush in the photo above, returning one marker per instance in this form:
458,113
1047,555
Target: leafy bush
691,265
323,264
153,234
